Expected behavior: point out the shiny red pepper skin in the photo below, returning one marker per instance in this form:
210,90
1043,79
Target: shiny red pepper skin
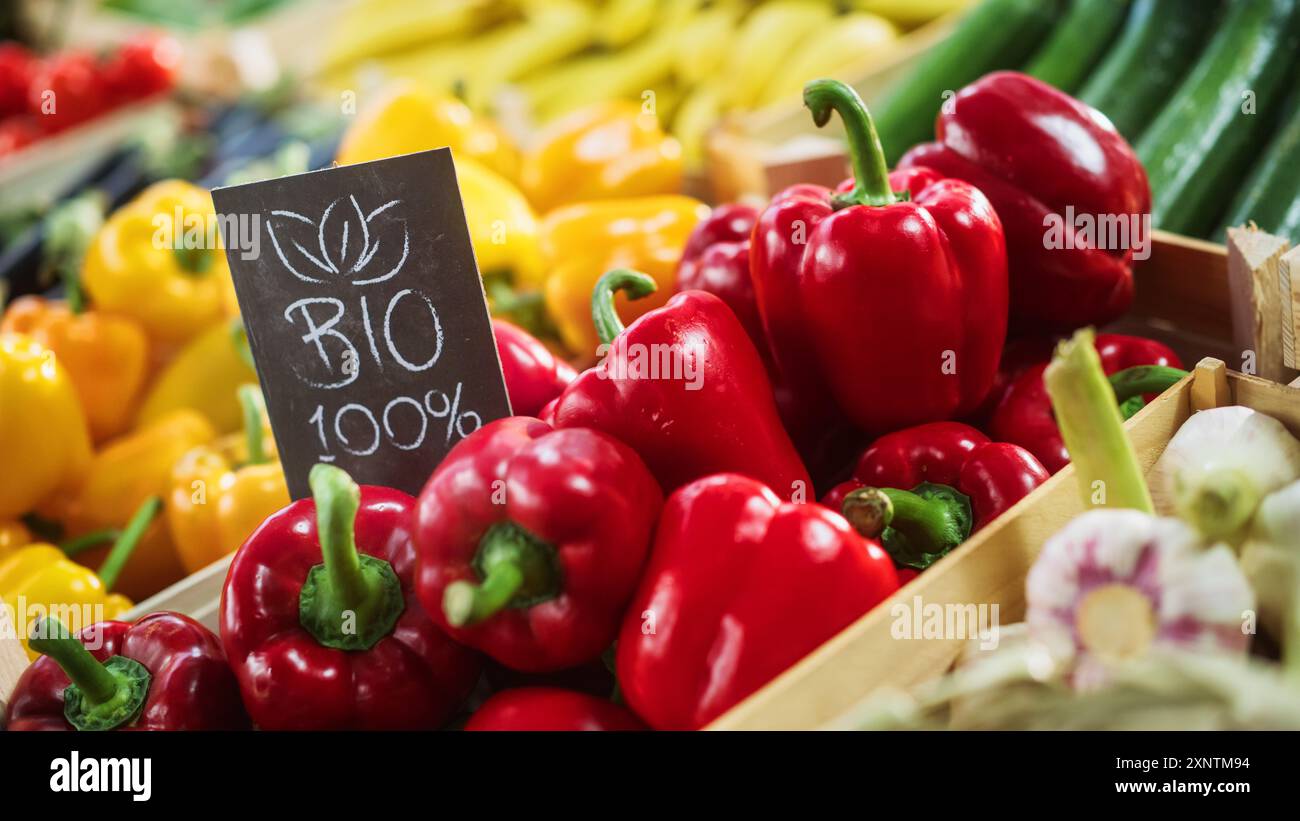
412,678
724,419
588,497
995,475
868,303
716,260
551,709
1024,415
1034,151
534,375
739,587
191,686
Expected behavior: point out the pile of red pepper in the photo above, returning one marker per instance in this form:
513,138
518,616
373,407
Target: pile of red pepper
664,520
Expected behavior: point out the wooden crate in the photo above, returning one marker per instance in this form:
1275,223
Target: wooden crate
988,569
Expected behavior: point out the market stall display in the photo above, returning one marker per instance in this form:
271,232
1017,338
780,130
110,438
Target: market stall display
763,403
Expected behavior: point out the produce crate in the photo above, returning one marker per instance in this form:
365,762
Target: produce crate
1183,299
988,569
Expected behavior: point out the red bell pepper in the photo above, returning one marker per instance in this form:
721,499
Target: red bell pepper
342,644
685,388
534,375
1024,416
164,672
531,541
894,305
924,490
716,260
739,586
1035,152
551,709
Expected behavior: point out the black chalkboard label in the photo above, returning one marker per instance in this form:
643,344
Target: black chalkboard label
366,316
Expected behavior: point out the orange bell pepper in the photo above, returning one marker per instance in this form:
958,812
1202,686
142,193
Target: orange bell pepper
122,475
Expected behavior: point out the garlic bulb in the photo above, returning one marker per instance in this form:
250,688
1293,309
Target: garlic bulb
1114,583
1270,558
1220,465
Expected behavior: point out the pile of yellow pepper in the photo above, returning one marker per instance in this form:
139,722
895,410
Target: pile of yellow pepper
134,447
121,409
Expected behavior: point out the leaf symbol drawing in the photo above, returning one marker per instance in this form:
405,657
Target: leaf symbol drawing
345,242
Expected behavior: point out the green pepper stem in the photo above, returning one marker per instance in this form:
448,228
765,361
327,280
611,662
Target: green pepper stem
1144,379
870,172
869,510
338,499
49,637
127,541
1090,423
603,313
465,603
516,569
84,542
250,404
196,261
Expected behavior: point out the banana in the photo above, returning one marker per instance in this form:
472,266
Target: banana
369,28
852,40
767,38
908,13
620,22
695,116
703,42
551,32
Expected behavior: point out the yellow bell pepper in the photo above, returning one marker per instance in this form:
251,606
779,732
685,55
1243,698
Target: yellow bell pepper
106,356
44,442
204,377
502,225
584,240
221,492
603,151
121,476
158,259
40,580
407,117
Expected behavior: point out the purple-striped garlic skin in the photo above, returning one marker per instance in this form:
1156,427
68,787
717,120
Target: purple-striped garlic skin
1114,584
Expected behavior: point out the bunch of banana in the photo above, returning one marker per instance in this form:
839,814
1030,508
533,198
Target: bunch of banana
687,61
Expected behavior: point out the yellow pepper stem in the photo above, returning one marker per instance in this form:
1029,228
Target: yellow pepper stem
126,543
1084,401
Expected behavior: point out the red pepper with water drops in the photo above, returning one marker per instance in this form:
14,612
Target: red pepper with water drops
889,299
164,672
321,623
531,541
1046,161
740,585
1137,368
534,376
924,490
685,388
551,709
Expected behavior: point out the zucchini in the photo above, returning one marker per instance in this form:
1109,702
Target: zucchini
1270,196
1077,43
994,34
1203,140
1160,42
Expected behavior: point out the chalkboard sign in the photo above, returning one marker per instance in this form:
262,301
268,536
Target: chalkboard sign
366,316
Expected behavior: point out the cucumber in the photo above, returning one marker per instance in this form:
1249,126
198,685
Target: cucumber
1077,43
1202,141
1270,196
994,34
1160,42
